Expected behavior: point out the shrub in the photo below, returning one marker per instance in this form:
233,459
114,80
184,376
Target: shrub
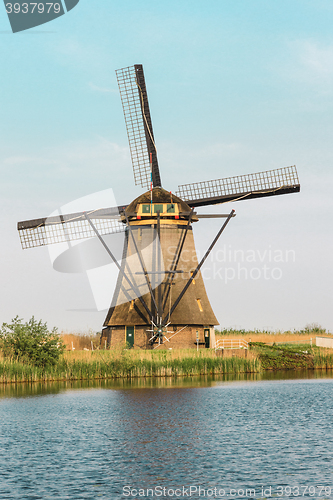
31,342
313,328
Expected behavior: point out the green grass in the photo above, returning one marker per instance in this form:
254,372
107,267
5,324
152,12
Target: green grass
107,366
322,360
291,357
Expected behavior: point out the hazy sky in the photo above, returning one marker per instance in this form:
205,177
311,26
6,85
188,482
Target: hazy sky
234,87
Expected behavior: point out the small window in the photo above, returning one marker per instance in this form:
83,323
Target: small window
193,281
171,208
131,305
146,209
158,208
199,305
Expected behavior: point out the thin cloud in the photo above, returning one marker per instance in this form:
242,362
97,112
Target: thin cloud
308,62
94,87
316,59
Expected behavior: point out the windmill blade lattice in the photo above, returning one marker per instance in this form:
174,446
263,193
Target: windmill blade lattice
63,228
134,100
269,183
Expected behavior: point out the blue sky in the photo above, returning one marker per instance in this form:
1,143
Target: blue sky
234,87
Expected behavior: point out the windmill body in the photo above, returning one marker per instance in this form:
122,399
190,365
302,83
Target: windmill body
160,298
193,318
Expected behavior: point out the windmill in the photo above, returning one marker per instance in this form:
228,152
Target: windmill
160,297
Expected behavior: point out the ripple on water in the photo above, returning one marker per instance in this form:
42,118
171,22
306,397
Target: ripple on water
78,441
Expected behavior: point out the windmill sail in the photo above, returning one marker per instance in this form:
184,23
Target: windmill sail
242,187
62,228
133,92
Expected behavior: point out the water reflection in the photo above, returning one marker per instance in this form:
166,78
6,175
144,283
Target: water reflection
43,388
76,441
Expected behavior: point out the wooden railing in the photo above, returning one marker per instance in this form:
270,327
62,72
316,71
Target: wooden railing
231,344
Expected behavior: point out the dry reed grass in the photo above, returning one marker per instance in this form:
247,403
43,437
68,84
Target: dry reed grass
80,342
83,342
271,337
151,355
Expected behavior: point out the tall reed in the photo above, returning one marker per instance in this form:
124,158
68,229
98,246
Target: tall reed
323,359
128,364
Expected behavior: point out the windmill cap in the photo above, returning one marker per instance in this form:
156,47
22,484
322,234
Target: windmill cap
159,195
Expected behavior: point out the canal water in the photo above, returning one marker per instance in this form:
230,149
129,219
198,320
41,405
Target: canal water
190,438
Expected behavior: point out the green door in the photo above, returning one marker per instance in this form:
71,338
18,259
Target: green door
130,336
207,337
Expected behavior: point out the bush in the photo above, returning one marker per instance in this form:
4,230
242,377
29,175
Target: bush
313,328
31,342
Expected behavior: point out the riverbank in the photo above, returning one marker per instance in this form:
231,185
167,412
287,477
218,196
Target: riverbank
131,364
292,356
90,365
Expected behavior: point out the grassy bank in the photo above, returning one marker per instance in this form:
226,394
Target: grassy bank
86,365
269,351
292,356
